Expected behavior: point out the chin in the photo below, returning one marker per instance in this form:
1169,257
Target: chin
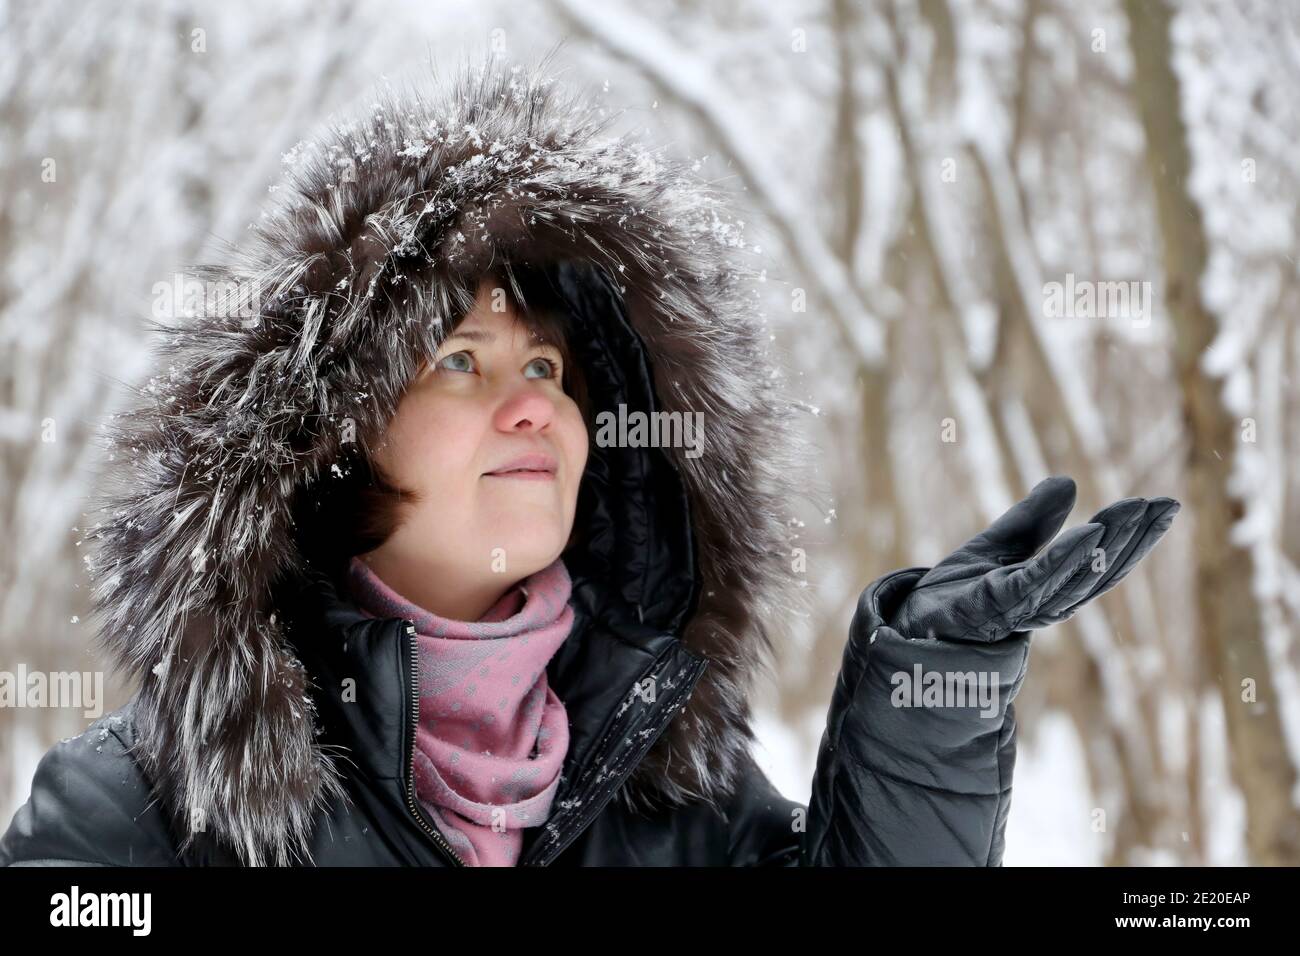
530,545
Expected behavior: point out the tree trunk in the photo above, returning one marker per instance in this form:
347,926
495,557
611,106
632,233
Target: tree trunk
1231,636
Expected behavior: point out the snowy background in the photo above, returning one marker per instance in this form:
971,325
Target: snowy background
921,174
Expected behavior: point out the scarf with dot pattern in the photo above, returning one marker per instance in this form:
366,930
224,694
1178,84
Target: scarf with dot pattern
492,735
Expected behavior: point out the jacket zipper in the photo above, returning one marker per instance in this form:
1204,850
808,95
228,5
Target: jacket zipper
416,814
591,811
590,814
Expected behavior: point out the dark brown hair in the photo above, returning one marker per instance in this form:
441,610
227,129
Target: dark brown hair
363,513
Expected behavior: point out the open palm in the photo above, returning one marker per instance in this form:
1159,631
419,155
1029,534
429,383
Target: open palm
1003,580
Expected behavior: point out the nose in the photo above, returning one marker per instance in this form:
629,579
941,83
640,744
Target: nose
526,409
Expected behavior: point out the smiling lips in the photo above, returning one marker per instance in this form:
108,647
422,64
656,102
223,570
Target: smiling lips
533,467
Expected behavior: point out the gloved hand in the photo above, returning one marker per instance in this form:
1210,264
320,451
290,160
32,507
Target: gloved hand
998,582
916,762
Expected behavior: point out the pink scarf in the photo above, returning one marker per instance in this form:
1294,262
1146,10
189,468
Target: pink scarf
492,735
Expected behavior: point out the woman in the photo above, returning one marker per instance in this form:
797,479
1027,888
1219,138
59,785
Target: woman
388,601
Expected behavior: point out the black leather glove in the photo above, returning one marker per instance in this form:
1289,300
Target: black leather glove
903,779
999,582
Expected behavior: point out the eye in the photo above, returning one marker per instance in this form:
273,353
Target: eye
549,367
464,356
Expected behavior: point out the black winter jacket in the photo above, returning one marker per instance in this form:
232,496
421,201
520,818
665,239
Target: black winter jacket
214,595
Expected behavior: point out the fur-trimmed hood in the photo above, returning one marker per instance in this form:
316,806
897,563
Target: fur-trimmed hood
356,272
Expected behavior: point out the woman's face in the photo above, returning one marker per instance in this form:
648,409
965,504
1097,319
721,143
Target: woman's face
494,449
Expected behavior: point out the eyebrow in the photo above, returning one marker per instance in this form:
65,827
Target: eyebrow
472,335
479,335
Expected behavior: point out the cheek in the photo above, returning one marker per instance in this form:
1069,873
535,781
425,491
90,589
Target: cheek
575,442
433,444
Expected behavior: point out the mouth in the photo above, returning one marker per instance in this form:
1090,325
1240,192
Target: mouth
526,468
523,474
